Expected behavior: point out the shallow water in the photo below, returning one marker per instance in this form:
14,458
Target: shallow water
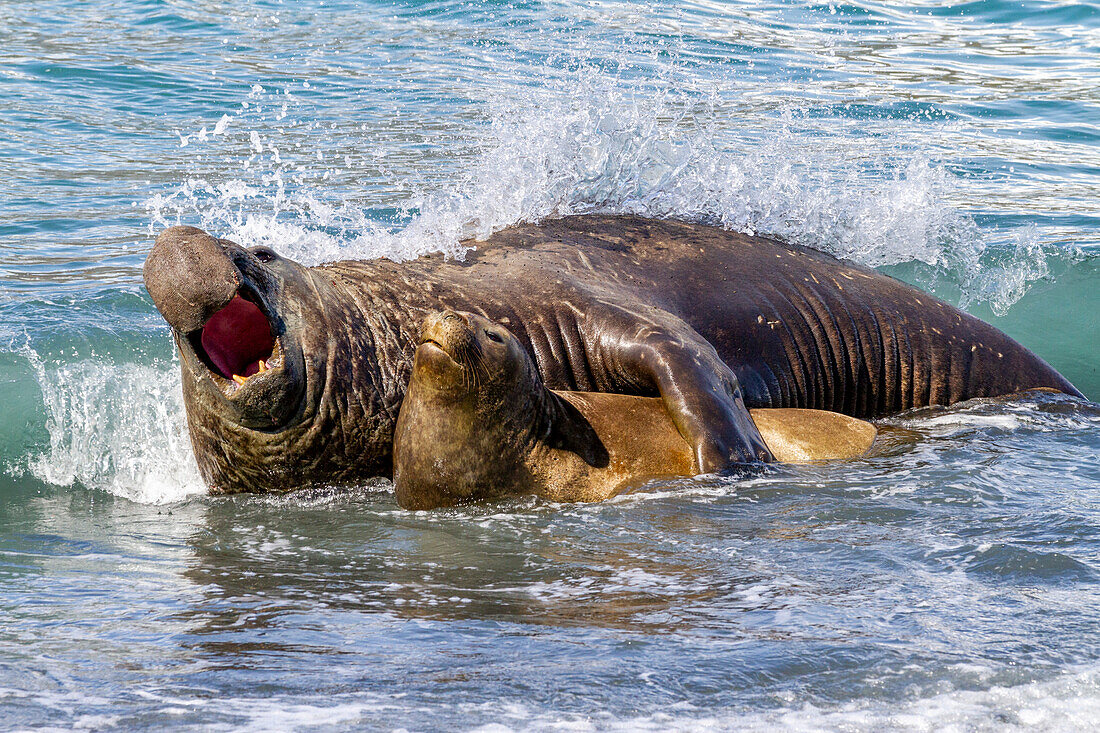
950,579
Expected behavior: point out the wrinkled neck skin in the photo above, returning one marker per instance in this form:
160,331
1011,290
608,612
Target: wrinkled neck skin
347,365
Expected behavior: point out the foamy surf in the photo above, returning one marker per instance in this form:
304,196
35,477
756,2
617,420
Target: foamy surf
1066,702
1069,702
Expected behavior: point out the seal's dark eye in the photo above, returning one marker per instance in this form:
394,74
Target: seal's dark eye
494,337
264,254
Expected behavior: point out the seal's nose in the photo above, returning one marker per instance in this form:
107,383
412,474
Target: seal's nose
190,277
449,329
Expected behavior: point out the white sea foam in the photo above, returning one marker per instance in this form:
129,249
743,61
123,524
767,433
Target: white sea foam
115,427
618,581
947,425
1001,415
1066,703
1069,702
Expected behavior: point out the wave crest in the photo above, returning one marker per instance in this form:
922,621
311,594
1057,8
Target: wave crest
119,428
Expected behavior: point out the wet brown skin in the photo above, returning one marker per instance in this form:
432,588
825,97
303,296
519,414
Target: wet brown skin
710,321
477,423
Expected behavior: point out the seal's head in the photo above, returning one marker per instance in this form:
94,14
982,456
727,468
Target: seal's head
473,392
226,306
239,318
474,411
466,358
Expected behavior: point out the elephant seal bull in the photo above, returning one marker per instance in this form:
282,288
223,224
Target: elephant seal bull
293,375
477,423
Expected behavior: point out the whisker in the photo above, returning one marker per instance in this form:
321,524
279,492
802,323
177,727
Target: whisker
471,358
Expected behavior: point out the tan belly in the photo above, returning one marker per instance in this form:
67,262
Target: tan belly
643,443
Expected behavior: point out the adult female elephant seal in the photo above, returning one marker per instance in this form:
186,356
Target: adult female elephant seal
293,375
478,423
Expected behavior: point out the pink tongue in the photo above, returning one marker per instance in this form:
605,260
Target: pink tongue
237,337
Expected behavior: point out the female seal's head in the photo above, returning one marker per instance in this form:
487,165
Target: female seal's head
463,356
471,411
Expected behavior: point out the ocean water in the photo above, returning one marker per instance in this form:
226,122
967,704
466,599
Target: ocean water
949,581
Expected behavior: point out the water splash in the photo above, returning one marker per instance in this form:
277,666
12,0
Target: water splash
119,428
591,143
1003,276
280,190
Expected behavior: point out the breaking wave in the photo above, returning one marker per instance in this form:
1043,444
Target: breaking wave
119,427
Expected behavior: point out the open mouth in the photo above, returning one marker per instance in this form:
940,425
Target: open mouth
237,343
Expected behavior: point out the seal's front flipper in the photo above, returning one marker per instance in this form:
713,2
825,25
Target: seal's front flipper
701,393
796,435
709,411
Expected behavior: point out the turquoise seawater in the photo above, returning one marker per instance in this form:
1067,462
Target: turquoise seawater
949,581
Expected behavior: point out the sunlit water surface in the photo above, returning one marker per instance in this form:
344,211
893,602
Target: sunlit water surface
948,580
